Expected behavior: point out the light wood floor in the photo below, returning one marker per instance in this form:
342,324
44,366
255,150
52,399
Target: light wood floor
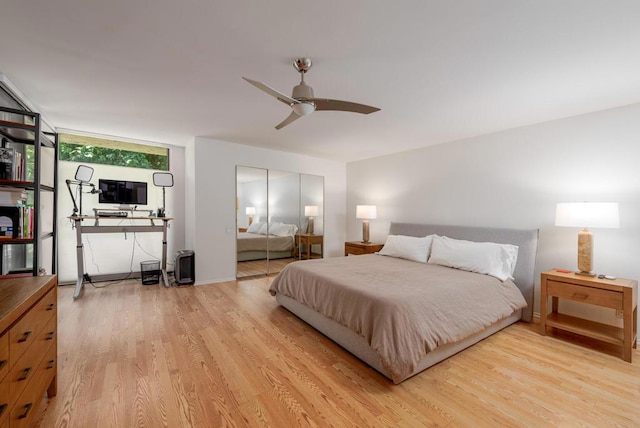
260,267
228,355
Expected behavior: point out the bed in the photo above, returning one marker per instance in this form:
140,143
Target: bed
367,325
277,241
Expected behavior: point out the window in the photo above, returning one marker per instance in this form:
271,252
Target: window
77,148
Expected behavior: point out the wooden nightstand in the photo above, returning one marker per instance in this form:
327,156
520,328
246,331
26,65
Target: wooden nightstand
357,248
619,294
307,240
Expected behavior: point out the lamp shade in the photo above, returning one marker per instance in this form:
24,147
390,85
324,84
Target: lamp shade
250,211
310,210
588,214
366,212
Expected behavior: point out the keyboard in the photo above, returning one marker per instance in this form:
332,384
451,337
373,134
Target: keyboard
112,213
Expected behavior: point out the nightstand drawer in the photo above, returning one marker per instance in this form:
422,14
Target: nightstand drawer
594,296
359,248
350,249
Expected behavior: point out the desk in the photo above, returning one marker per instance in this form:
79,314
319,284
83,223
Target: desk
98,228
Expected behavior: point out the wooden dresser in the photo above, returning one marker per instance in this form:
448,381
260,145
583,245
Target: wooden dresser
28,347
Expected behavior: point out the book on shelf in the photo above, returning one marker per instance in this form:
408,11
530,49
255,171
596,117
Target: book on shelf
26,222
18,166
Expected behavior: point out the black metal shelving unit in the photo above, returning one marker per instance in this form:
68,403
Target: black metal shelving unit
18,129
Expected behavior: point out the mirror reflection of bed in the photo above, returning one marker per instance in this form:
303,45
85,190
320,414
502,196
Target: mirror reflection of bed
279,217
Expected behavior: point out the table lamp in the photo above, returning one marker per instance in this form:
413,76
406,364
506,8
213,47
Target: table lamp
365,213
585,215
250,212
310,211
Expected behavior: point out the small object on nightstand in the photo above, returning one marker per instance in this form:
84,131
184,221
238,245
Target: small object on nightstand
609,277
563,270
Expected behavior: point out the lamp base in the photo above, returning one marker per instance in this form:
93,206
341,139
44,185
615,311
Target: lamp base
585,251
365,231
581,273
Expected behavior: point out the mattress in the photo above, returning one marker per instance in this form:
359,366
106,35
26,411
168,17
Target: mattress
403,309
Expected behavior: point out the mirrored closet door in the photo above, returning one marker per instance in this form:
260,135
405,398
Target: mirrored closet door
251,214
279,218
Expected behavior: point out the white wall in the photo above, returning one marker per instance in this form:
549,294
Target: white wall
112,253
213,235
514,179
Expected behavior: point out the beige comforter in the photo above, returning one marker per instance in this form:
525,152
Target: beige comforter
256,242
403,309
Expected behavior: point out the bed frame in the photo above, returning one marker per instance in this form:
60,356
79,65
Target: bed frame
526,240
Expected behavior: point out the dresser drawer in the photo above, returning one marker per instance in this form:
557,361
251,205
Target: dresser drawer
24,370
584,294
4,355
349,249
24,332
4,402
26,406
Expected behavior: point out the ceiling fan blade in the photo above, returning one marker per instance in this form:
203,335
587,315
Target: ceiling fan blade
293,116
279,95
337,105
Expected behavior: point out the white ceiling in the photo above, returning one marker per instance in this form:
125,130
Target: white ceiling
166,70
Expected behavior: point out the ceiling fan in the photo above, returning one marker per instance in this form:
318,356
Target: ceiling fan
302,101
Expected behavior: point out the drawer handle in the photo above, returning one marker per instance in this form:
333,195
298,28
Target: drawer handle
25,374
3,407
3,363
50,335
25,412
51,306
580,295
52,363
24,337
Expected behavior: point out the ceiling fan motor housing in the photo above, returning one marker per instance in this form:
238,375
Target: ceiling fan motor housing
302,92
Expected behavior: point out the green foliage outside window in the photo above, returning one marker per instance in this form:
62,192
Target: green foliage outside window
84,149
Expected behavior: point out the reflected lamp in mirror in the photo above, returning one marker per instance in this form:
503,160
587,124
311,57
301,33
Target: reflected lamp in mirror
310,211
250,212
365,213
164,180
586,215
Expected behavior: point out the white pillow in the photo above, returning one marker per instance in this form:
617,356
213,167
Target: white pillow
498,260
281,229
407,247
255,227
264,228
